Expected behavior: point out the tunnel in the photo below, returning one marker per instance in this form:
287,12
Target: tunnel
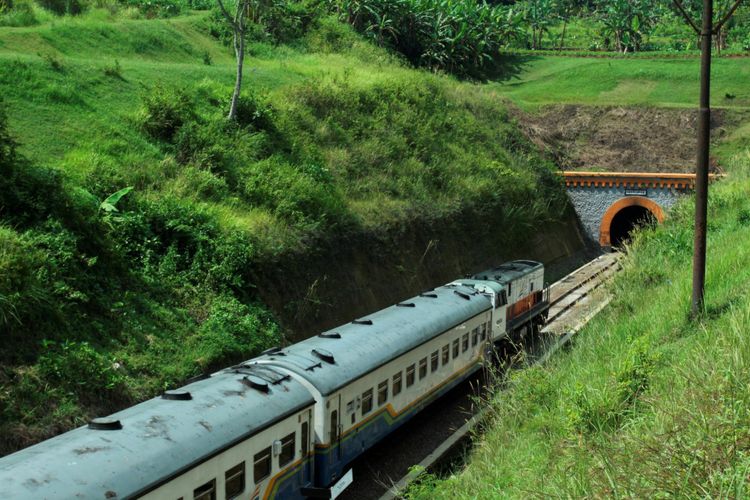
623,216
625,221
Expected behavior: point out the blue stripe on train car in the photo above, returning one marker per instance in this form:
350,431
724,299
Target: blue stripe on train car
329,466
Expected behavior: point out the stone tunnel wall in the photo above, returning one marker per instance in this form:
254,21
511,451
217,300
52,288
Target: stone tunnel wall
592,202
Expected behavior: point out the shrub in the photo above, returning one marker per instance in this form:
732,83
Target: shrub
80,368
20,289
62,7
159,8
165,110
300,195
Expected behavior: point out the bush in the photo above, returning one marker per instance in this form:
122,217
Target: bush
20,290
62,7
80,368
159,8
165,110
234,331
301,195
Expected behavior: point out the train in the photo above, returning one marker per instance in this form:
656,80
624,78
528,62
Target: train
289,422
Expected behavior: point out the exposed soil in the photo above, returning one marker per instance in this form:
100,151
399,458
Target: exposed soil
620,138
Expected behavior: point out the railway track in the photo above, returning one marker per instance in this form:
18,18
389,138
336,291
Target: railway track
442,428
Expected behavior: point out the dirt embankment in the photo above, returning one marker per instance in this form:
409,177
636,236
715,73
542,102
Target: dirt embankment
354,276
621,139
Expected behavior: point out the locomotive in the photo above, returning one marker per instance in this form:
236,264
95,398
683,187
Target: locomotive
288,423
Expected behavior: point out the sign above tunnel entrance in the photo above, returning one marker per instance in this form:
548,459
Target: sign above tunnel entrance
636,192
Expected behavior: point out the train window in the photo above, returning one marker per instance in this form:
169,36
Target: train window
410,376
305,438
397,383
474,337
455,349
262,465
446,354
531,286
465,342
366,401
334,426
422,368
234,481
434,364
510,294
206,491
287,449
382,392
483,332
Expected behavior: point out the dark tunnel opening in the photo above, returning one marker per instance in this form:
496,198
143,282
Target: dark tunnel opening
626,220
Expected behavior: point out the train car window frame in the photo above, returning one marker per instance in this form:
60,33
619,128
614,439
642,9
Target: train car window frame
465,342
475,337
286,455
233,488
396,384
262,459
483,332
206,491
410,375
456,348
382,392
434,361
367,401
422,368
446,354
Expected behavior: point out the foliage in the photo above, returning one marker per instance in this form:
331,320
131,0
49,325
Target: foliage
460,37
627,21
164,111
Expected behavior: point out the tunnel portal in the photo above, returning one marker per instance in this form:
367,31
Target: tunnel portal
626,221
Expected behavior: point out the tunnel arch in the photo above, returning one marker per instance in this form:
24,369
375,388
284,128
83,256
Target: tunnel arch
605,228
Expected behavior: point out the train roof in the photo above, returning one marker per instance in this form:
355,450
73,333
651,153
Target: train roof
510,271
158,438
339,356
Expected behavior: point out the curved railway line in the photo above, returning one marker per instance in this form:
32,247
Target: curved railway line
434,436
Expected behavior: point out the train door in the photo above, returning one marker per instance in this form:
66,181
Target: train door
336,426
306,447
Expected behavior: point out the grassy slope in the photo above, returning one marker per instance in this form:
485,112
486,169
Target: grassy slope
97,311
647,403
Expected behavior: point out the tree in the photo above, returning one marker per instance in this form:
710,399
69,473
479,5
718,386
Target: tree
539,16
238,23
706,31
627,21
565,10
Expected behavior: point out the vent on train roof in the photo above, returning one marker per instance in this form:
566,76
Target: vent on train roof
429,295
177,395
326,356
256,383
202,376
330,335
272,350
406,304
462,295
362,322
105,424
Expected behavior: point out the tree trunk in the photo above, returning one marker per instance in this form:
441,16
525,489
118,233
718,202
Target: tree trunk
562,38
239,50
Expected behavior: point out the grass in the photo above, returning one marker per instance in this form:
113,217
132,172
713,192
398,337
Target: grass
543,80
647,403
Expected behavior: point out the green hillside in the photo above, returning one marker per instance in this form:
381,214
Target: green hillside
108,295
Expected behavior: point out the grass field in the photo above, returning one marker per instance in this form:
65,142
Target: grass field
541,80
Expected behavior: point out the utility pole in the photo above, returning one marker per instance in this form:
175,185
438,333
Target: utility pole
706,33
